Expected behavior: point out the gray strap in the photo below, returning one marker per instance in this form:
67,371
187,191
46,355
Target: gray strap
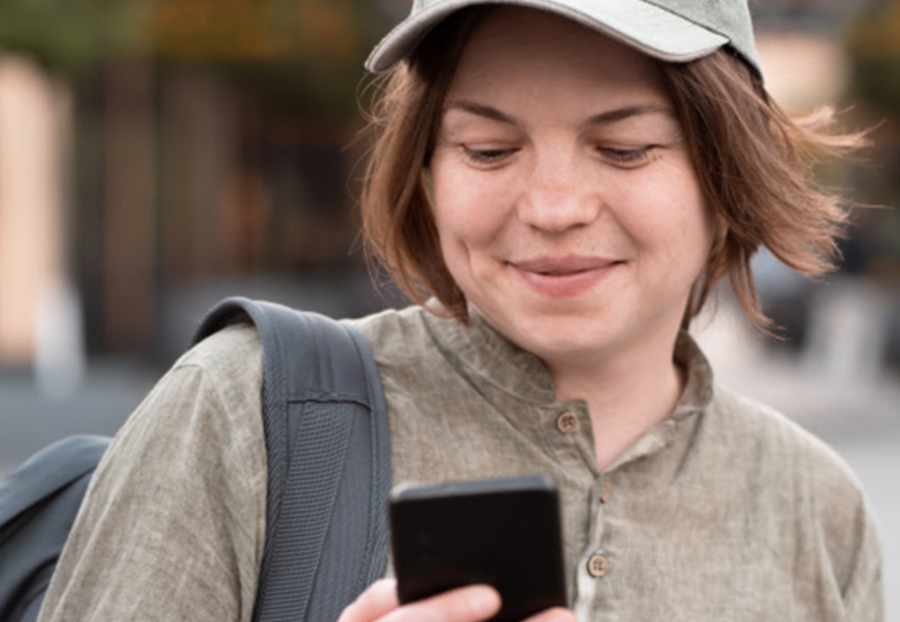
328,457
38,504
48,471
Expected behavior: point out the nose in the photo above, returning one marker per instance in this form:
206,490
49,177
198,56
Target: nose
559,196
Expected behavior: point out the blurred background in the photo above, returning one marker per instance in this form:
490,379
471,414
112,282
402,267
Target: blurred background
157,155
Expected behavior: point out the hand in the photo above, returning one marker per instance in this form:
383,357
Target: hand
468,604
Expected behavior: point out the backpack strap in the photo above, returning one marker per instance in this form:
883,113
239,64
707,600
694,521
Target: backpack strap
328,457
38,504
48,471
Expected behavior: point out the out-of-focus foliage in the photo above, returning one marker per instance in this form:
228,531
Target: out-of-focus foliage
256,30
70,35
874,46
307,54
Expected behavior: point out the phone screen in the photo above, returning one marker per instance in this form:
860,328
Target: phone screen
502,532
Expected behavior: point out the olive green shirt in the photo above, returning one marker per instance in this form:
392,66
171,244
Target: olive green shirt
726,511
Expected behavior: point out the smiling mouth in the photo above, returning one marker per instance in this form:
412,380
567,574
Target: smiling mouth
564,278
568,272
564,267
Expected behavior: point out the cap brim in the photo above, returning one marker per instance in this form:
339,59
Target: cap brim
649,28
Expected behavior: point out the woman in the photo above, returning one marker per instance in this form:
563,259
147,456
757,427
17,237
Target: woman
568,185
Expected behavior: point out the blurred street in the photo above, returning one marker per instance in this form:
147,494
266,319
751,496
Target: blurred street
30,419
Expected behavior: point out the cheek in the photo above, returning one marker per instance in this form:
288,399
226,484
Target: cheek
675,222
466,209
695,235
698,220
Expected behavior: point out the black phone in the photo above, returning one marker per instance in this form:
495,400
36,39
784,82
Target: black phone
502,532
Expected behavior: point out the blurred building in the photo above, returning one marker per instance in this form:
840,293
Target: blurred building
208,155
35,125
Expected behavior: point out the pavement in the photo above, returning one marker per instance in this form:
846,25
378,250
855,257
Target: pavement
30,417
856,411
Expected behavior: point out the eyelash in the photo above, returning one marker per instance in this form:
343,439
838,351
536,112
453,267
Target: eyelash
486,156
627,156
622,157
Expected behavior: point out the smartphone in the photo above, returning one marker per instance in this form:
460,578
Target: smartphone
502,532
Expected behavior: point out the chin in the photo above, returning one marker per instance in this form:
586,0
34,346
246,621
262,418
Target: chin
562,336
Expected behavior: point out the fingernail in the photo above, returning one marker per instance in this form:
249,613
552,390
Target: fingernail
484,601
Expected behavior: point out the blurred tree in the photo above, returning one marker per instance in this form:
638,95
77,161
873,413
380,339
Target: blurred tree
305,54
873,45
68,36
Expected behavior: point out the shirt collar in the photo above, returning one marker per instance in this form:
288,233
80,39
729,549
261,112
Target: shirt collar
485,357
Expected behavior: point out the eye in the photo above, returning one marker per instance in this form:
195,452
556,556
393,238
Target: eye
487,156
626,157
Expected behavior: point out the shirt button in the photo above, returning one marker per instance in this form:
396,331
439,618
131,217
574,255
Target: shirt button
597,565
605,491
567,422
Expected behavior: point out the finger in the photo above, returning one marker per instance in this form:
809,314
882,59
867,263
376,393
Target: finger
377,600
468,604
557,614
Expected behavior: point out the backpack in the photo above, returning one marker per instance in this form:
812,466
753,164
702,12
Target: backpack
328,458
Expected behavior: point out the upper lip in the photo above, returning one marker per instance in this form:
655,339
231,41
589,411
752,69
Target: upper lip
563,265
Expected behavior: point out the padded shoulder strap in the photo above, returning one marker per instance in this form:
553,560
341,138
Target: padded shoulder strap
48,471
328,459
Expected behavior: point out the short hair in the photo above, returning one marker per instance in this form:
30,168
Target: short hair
753,162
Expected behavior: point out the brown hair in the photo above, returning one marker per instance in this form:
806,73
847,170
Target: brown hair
753,162
755,166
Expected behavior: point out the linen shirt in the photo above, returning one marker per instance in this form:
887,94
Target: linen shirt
725,511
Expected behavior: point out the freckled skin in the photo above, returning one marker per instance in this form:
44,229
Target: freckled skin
568,208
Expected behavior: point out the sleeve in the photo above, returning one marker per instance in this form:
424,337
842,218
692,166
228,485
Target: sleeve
863,590
846,531
173,523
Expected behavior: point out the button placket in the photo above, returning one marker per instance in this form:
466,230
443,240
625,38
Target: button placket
605,491
594,584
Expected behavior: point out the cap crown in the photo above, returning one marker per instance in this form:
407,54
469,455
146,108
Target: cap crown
672,30
730,18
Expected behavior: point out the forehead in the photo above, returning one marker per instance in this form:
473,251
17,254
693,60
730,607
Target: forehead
515,47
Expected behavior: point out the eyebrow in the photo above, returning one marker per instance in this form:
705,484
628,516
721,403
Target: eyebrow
620,114
604,118
481,110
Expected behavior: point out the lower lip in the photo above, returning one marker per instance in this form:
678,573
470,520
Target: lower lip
566,285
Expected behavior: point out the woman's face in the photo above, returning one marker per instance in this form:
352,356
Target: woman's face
567,205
